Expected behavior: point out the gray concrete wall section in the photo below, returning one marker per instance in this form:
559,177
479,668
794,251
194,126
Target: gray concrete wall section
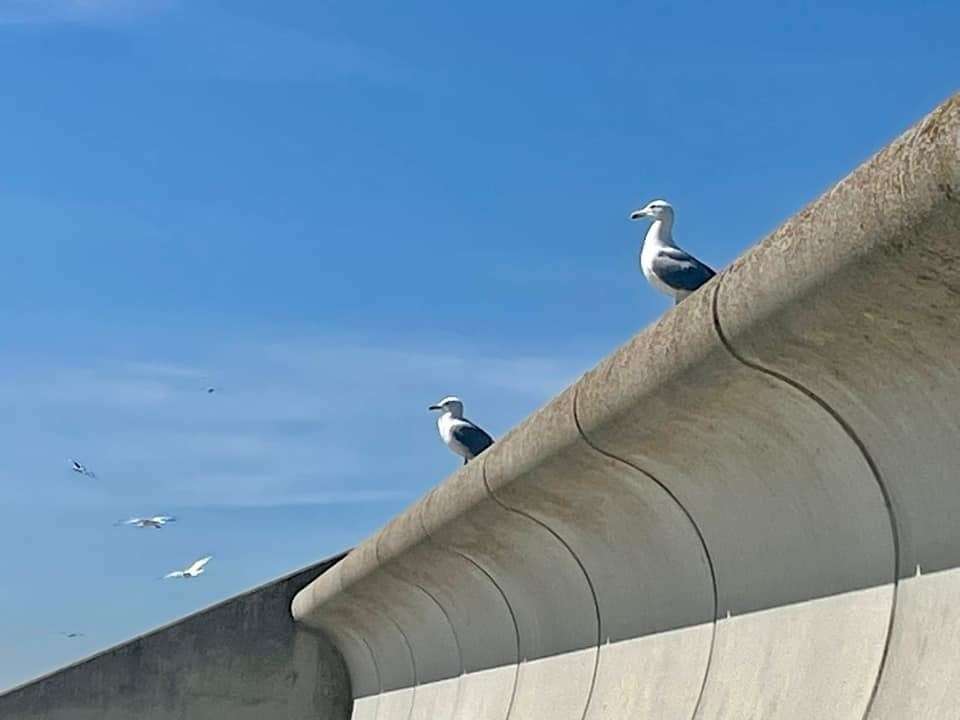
243,659
750,510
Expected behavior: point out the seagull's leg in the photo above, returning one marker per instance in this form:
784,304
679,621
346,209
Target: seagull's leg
465,461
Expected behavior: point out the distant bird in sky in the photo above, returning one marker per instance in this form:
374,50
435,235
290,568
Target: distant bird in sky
79,467
193,571
72,635
668,268
460,435
211,390
157,521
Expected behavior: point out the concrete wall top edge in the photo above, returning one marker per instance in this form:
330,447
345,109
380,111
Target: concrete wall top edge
915,177
872,214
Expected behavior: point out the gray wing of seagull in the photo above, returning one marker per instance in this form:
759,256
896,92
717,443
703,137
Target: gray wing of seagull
680,270
473,438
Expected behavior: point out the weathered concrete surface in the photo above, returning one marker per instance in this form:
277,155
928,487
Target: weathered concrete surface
243,659
724,519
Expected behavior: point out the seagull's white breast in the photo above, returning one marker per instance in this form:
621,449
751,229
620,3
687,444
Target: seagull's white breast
654,242
446,424
647,256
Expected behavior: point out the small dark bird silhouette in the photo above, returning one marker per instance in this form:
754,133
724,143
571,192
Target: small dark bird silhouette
210,390
79,467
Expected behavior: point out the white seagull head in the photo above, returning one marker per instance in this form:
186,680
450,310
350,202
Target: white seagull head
450,404
657,210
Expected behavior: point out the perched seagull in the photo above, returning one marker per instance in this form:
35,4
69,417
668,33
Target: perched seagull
462,436
192,571
79,467
157,521
668,268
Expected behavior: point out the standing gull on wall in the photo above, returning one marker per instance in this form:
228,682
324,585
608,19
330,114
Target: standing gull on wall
668,268
460,435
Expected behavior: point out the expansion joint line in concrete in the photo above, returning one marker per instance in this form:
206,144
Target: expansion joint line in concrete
868,458
506,601
693,523
443,610
583,569
413,663
376,670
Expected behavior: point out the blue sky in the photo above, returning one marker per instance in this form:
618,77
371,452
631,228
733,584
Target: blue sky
278,199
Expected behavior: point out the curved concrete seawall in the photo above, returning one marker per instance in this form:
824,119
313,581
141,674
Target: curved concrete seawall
750,510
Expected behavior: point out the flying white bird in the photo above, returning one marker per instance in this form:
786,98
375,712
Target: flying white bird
192,571
668,268
79,467
157,521
460,435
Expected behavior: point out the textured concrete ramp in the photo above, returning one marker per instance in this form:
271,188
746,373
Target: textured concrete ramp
751,510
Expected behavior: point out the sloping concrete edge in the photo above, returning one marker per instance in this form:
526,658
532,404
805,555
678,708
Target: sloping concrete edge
723,518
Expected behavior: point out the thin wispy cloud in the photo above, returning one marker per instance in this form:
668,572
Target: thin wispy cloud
300,421
164,370
262,52
77,11
343,498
